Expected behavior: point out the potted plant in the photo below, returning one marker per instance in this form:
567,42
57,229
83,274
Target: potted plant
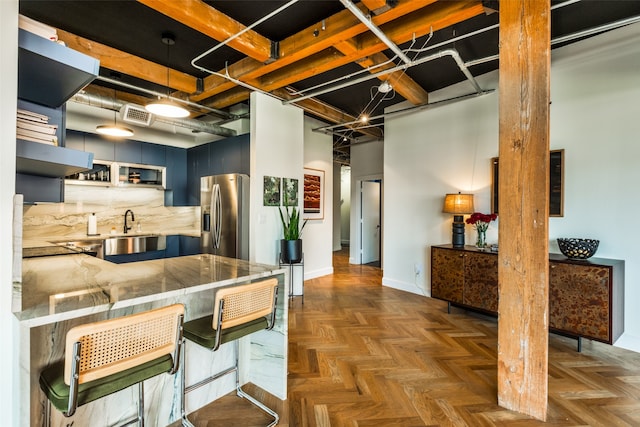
291,244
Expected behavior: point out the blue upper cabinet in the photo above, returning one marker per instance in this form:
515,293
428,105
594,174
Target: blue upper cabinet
129,151
153,154
101,147
176,176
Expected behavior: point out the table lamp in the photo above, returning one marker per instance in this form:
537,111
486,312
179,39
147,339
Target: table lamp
458,205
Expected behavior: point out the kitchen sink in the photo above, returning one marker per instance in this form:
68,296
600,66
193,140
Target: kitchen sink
122,245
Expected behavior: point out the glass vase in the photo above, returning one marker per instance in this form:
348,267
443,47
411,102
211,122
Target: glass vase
481,239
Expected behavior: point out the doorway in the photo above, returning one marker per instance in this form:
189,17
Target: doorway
370,222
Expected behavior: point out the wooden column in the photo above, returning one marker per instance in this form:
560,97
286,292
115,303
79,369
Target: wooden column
523,269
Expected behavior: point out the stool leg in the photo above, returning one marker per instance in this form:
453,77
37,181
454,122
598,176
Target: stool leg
141,403
185,420
241,393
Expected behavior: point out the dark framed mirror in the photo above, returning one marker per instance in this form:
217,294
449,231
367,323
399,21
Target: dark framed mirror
556,183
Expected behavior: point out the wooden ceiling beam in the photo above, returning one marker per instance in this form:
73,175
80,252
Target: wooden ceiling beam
438,16
374,4
339,27
401,82
207,20
328,113
418,24
128,64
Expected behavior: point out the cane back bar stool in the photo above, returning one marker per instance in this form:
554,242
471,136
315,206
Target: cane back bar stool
237,311
107,356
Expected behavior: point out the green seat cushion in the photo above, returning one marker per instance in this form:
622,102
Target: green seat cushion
53,386
201,331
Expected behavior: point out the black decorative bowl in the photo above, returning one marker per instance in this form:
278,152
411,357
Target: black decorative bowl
578,248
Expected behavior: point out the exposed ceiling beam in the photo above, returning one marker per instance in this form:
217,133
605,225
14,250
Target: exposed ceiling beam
338,27
128,64
207,20
328,112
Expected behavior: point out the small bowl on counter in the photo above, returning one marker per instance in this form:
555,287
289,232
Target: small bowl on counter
575,248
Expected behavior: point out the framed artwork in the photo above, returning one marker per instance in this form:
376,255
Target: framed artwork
556,183
271,191
290,192
313,207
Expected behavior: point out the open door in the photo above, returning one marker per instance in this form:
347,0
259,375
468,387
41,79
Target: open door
370,222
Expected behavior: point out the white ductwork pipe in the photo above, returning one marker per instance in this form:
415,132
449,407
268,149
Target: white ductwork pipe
375,30
115,105
443,53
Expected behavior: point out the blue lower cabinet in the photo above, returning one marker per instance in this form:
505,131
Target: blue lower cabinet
142,256
145,256
173,247
121,259
189,245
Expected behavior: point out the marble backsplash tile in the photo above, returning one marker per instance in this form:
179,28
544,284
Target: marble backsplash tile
61,220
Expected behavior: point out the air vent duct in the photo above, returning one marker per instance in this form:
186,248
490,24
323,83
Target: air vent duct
136,114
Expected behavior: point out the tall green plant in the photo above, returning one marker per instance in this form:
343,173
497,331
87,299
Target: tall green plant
291,229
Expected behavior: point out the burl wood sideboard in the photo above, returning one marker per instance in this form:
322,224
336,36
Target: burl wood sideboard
586,297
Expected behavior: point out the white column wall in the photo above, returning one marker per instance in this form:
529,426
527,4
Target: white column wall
595,87
316,241
9,333
277,136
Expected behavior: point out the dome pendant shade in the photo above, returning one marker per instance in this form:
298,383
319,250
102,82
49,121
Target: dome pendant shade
114,130
166,108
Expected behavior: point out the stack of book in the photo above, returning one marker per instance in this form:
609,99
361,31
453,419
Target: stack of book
35,127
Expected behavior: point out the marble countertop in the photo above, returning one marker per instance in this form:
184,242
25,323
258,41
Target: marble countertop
56,288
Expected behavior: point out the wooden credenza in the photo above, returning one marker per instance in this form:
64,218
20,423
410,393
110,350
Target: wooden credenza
586,298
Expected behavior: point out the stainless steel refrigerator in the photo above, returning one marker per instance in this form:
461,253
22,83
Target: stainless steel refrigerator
224,200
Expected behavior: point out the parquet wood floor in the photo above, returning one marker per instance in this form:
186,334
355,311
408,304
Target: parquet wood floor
363,355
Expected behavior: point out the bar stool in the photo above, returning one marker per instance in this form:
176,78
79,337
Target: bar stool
104,357
237,311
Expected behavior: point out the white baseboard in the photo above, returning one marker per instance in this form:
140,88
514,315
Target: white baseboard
628,342
405,286
318,273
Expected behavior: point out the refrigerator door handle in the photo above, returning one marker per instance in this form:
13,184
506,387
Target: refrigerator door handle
216,215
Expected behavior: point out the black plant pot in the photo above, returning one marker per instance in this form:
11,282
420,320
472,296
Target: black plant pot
291,251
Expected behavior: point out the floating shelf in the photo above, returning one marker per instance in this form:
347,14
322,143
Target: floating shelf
50,73
34,158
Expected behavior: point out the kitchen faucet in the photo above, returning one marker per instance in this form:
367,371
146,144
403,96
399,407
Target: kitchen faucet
127,228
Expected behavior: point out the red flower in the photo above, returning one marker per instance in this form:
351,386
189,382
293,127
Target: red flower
477,217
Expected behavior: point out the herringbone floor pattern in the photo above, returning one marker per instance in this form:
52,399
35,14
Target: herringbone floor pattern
363,355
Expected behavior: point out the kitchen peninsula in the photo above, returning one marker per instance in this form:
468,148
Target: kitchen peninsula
59,292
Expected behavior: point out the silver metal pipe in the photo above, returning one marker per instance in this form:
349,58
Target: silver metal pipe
238,34
115,105
448,52
162,95
375,30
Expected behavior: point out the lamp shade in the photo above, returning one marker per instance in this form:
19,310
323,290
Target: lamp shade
458,204
114,130
166,108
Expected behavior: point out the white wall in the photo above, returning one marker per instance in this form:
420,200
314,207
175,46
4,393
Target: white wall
336,206
317,246
366,164
10,388
276,150
595,87
345,204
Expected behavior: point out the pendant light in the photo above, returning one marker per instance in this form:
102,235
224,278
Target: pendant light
114,129
166,107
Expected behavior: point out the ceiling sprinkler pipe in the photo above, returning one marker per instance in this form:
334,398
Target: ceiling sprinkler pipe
448,52
375,30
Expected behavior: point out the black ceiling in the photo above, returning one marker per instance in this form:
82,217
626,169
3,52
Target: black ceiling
134,28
